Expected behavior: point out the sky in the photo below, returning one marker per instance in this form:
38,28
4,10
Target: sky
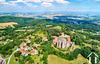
49,5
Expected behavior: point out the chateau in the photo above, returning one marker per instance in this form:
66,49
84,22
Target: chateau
63,41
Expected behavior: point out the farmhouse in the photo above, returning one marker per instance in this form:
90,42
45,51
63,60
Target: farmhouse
33,52
35,45
44,39
22,45
28,41
25,53
63,41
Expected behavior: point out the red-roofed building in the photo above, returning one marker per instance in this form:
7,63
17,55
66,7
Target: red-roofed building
22,45
55,39
69,40
35,45
28,47
34,52
7,39
28,41
1,61
24,53
45,39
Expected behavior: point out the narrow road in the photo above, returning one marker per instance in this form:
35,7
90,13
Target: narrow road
12,54
2,58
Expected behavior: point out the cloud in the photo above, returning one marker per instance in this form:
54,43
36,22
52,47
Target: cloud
46,4
38,1
30,5
2,0
62,1
17,1
25,2
48,0
9,4
96,0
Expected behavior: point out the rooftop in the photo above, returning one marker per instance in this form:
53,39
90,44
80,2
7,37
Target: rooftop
0,60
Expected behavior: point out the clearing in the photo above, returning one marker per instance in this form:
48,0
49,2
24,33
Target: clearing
53,59
56,27
13,60
3,25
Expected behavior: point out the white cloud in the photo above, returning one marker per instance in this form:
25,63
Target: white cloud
48,0
38,1
46,4
30,5
62,1
9,4
96,0
17,1
2,0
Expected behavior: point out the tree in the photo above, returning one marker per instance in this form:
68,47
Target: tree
17,54
85,63
31,61
28,58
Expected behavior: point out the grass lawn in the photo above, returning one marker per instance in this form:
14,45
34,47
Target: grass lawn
40,33
6,61
48,25
13,61
76,46
30,36
94,40
19,30
37,59
53,59
3,25
5,56
57,27
90,45
14,48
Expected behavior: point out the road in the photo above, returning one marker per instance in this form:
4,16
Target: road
9,57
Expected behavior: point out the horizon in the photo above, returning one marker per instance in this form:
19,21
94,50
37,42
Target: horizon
49,6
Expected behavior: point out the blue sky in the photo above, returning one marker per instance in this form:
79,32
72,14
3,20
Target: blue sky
49,5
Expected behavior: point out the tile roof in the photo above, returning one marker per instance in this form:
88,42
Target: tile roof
0,60
35,44
69,40
44,39
55,39
27,40
22,45
33,51
24,52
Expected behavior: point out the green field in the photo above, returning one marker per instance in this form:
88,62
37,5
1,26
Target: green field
37,59
3,25
40,33
90,45
57,27
13,61
52,59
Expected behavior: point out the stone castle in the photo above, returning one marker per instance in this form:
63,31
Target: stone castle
63,41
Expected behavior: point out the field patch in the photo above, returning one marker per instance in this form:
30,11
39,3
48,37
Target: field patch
56,27
3,25
13,60
48,25
40,33
53,59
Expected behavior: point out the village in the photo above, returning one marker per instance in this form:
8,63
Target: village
26,48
